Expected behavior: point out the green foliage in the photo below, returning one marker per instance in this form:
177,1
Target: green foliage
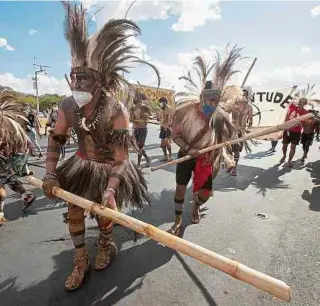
30,100
45,101
154,105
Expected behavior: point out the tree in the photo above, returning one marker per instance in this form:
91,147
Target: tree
47,100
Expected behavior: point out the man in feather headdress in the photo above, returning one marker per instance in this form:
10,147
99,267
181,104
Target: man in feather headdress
196,126
242,115
13,140
199,123
165,118
100,170
139,115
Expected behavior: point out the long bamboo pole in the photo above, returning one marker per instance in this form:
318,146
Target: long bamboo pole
273,129
237,270
285,112
247,75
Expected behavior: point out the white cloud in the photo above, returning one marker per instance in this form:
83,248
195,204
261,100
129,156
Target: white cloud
46,84
141,50
315,11
196,14
274,78
33,32
305,49
192,14
287,76
271,79
88,4
4,44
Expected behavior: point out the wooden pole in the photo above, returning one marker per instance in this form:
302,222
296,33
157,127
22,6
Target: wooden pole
273,129
247,75
237,270
285,112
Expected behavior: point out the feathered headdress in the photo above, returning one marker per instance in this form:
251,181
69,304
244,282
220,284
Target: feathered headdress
106,54
307,92
224,68
13,138
203,69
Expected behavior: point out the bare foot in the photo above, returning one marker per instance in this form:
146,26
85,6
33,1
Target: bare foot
3,219
234,172
148,162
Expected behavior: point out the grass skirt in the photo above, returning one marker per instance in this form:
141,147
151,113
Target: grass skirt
89,179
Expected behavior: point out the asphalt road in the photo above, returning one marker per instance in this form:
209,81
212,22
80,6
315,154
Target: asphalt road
36,251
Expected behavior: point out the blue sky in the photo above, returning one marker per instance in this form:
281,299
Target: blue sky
283,35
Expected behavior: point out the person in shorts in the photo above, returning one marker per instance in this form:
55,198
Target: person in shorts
165,118
139,115
309,128
293,135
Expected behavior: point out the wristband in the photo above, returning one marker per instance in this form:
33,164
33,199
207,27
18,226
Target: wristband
111,190
50,176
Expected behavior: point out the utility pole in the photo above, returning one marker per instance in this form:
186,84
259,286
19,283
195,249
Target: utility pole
41,68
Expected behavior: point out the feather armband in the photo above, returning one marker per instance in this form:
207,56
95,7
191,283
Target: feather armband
60,139
123,139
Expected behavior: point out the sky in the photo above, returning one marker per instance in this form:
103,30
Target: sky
283,35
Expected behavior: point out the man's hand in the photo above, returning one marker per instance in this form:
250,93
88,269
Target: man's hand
193,153
108,200
48,185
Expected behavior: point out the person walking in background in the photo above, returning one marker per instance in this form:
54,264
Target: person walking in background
33,129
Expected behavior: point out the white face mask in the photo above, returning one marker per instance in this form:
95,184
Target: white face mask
82,98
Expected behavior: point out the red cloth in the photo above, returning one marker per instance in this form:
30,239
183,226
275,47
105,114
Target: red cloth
294,112
81,155
202,171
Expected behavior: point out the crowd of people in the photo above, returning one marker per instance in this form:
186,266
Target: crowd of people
101,170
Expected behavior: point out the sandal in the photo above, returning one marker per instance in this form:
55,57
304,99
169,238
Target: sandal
28,200
80,273
195,216
175,230
107,250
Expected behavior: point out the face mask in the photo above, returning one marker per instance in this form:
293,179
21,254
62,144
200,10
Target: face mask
82,98
208,109
162,105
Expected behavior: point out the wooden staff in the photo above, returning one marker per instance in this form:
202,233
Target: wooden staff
273,129
237,270
247,75
285,112
147,121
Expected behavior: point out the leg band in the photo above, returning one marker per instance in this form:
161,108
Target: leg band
178,204
76,225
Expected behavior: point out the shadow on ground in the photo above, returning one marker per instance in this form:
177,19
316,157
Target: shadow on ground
313,197
258,155
262,179
122,278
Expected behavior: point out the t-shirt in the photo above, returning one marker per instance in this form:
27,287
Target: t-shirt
293,112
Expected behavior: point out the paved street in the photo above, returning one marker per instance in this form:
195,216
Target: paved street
36,251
